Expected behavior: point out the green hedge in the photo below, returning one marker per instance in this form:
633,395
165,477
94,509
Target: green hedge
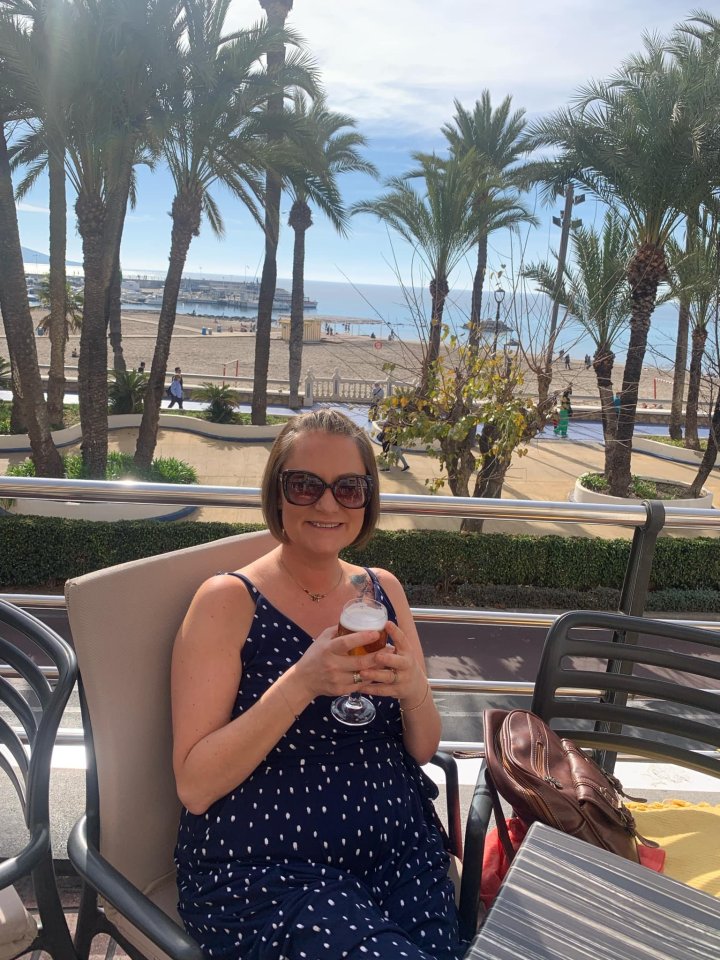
47,550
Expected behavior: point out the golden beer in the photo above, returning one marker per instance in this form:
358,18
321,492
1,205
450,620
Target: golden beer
360,614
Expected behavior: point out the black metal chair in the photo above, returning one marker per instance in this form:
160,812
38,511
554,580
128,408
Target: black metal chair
660,699
31,712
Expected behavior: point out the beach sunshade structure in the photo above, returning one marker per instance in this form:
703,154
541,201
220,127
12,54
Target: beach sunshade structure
623,685
32,707
124,620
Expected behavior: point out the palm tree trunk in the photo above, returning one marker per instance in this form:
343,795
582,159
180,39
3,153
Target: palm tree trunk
699,339
19,327
186,224
100,223
92,363
681,351
18,423
297,313
711,452
477,292
439,289
645,272
603,361
114,318
277,11
58,287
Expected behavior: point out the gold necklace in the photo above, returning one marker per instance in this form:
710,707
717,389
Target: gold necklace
315,597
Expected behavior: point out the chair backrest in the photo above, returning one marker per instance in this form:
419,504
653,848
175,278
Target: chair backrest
34,706
671,675
124,620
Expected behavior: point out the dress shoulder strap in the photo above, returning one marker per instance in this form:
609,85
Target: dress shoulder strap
252,589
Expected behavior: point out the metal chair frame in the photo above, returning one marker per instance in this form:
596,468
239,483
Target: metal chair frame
30,774
616,723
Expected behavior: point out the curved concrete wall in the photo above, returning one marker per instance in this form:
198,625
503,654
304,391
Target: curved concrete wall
581,494
19,443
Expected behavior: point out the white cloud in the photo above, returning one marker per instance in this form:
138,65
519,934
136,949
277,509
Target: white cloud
31,208
404,61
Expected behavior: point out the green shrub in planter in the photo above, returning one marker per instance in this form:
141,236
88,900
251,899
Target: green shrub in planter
120,466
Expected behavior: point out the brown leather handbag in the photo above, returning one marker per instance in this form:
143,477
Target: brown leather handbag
548,779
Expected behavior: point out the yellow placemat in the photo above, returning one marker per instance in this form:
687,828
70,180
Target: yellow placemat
690,835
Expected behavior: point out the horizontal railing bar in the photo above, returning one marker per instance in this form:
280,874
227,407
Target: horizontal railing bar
129,491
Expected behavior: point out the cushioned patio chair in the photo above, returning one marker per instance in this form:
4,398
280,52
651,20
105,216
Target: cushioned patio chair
31,713
124,621
667,704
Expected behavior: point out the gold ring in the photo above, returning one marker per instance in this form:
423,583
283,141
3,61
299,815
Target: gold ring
394,673
357,678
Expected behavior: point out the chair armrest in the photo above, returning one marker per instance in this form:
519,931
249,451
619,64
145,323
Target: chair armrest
127,899
448,765
479,814
14,868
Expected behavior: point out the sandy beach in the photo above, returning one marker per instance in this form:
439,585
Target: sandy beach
358,357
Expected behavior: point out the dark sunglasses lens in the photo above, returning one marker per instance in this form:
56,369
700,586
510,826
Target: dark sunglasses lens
303,489
352,492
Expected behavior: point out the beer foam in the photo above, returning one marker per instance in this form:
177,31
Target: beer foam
362,617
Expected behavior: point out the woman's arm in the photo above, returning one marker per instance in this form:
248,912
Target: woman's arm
212,753
421,721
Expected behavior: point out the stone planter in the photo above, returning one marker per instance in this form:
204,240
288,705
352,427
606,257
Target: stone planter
666,451
581,494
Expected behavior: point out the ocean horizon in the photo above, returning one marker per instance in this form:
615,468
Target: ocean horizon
405,312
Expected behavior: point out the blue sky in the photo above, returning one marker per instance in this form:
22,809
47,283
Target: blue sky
396,66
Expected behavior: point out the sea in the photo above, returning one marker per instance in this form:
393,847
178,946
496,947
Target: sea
386,310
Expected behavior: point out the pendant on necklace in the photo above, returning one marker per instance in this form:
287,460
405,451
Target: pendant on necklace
316,597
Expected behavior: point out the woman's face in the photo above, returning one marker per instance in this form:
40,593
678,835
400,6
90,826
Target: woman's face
324,527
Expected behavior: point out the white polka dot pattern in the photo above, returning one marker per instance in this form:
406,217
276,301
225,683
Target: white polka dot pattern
329,849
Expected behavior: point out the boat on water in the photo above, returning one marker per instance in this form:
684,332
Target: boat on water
241,296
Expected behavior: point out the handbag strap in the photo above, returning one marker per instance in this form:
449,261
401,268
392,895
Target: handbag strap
500,818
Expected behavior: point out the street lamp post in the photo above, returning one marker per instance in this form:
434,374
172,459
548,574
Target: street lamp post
499,297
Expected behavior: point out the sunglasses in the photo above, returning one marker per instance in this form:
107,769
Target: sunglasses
302,489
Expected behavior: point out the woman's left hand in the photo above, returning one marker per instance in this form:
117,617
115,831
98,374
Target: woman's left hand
396,671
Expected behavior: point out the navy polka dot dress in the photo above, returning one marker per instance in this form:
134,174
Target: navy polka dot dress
329,849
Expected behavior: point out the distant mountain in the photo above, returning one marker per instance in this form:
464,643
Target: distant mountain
31,257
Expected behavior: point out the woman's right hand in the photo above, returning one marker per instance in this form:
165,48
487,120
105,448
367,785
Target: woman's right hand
327,669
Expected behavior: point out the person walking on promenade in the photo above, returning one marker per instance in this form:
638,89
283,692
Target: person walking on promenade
390,447
175,390
563,415
376,398
302,836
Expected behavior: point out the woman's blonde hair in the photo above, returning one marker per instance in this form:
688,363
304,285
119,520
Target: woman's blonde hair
335,424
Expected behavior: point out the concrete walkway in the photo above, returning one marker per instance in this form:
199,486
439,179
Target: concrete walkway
547,472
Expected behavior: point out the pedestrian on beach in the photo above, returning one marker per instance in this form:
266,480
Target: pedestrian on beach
141,367
301,836
376,398
567,361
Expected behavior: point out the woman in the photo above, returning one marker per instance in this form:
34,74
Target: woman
303,837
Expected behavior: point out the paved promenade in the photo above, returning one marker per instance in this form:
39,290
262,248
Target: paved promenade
547,472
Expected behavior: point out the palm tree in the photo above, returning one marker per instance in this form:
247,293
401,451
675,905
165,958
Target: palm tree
126,391
125,54
44,82
73,307
495,139
694,280
639,143
14,305
440,224
339,149
212,138
595,293
277,12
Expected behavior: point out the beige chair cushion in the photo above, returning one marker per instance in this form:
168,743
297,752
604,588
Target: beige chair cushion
124,620
163,894
18,928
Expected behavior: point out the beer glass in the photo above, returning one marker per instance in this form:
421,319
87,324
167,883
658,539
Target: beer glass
360,614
